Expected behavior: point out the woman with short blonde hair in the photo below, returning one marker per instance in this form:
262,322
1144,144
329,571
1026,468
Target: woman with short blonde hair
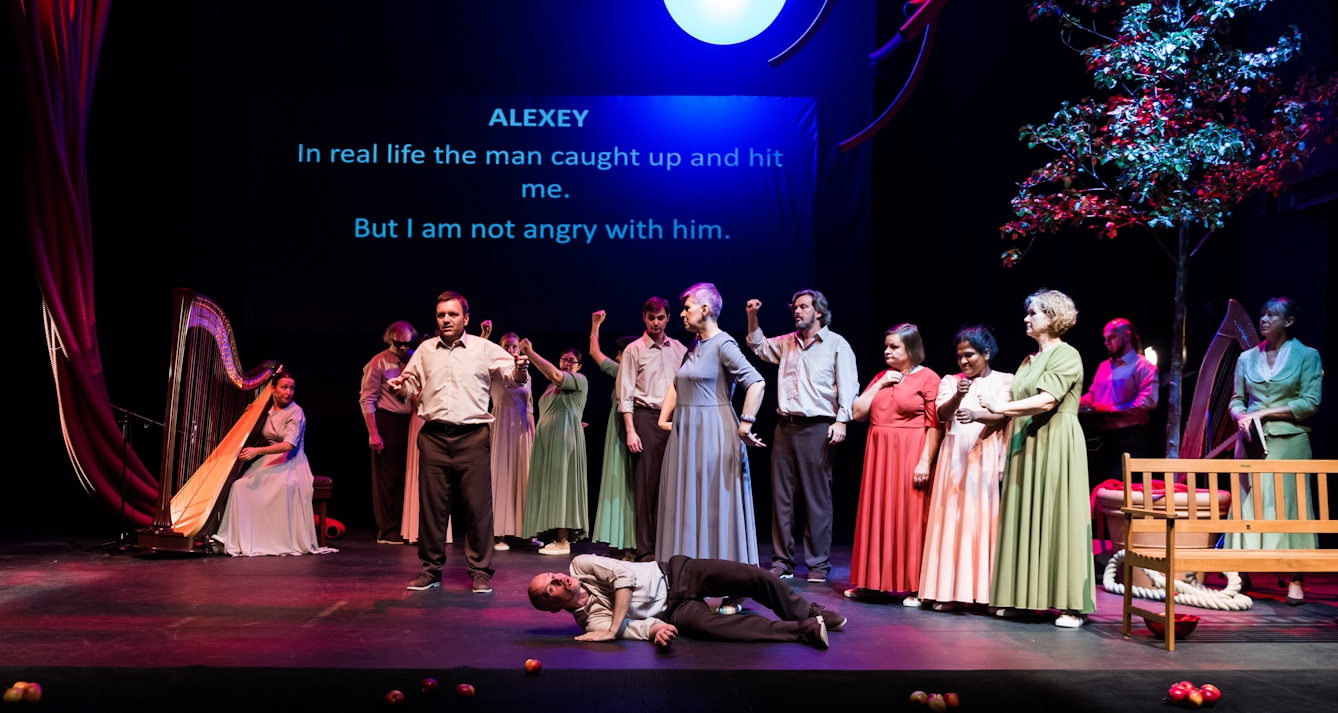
1043,555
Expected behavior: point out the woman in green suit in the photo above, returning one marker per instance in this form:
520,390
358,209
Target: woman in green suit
1277,383
1043,556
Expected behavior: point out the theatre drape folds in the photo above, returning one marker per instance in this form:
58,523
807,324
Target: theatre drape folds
58,43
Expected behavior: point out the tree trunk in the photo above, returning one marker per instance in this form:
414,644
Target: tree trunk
1174,423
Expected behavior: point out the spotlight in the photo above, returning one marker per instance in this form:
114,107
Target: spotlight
1151,355
724,22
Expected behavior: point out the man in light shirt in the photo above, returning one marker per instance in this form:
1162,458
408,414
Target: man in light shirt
452,377
1124,391
818,386
649,601
386,415
645,372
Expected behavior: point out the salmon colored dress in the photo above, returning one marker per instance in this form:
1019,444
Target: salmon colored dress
890,522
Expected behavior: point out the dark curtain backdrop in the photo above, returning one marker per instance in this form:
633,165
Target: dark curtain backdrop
58,43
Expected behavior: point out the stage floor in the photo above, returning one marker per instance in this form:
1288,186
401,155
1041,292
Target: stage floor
64,607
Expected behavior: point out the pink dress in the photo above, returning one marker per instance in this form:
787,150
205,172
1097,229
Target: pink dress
964,503
890,522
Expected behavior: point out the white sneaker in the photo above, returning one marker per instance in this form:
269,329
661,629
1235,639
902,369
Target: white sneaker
1069,621
910,602
555,549
501,546
727,609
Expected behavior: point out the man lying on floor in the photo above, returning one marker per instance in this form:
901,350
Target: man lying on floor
650,601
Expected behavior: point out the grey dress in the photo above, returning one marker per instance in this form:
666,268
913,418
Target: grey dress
706,497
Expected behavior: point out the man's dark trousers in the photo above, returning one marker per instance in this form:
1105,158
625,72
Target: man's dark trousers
801,474
692,580
646,478
388,473
455,460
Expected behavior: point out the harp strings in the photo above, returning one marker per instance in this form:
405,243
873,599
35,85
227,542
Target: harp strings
1220,426
210,404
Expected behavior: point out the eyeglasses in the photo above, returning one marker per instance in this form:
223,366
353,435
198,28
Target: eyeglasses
569,360
398,343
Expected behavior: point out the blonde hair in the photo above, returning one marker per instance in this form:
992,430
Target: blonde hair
1057,306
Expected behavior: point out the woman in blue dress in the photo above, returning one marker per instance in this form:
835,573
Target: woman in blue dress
706,499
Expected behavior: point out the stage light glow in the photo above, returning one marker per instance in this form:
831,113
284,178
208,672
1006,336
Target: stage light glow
724,22
1151,355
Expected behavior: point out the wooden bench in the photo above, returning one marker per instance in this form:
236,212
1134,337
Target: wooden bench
1155,517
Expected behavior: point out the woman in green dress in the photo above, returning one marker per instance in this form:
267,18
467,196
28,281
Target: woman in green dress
614,514
556,497
1277,383
1043,559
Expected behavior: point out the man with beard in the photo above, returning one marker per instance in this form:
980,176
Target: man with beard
818,385
650,601
646,371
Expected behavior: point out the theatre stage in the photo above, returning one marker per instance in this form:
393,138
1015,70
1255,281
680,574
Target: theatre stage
336,632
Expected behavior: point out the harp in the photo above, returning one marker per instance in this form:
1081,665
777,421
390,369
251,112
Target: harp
1211,432
214,409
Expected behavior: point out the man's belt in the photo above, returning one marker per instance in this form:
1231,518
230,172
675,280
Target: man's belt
806,420
452,429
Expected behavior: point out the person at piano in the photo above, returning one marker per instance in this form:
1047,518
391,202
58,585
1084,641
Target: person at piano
1277,387
269,507
1123,393
452,376
386,415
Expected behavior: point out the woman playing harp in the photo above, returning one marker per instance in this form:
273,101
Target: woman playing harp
268,510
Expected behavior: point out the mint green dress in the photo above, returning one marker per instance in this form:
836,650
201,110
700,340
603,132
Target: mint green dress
1295,384
1043,559
556,495
614,523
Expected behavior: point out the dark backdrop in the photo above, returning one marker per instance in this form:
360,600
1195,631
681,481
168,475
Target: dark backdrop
942,174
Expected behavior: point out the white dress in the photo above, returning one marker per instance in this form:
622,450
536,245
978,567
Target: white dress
512,439
269,507
963,521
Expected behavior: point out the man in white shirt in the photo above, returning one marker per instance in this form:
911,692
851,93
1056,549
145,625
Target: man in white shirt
452,377
650,601
646,370
1124,391
818,386
386,415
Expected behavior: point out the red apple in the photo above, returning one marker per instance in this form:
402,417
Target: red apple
464,690
428,686
1187,684
32,693
12,695
1211,694
394,698
1193,699
1177,693
936,704
919,698
951,700
533,665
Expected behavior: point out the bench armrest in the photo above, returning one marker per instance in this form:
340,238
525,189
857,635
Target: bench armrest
1158,514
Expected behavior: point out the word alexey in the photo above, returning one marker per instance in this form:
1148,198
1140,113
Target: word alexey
561,118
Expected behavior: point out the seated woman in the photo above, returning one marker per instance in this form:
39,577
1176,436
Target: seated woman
269,506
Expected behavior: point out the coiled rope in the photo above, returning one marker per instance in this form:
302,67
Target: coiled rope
1188,592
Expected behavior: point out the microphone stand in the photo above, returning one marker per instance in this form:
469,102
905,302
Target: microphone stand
122,542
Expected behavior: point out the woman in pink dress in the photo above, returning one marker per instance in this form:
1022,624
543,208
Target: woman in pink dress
904,433
964,504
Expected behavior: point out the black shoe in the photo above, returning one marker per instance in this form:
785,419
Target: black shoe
424,582
482,582
779,572
831,619
818,577
1295,602
395,540
814,631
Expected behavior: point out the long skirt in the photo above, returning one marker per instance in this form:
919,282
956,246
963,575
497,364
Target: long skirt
615,522
963,519
706,495
1291,447
890,521
269,509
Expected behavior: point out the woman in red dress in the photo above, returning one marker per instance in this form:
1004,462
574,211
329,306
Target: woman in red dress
904,434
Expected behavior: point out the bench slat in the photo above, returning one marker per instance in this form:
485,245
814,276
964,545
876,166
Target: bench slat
1235,495
1157,525
1323,496
1242,560
1302,498
1212,496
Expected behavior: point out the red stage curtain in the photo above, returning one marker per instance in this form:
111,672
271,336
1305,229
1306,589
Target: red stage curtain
58,43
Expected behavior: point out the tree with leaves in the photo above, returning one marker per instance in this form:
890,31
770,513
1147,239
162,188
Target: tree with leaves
1170,148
